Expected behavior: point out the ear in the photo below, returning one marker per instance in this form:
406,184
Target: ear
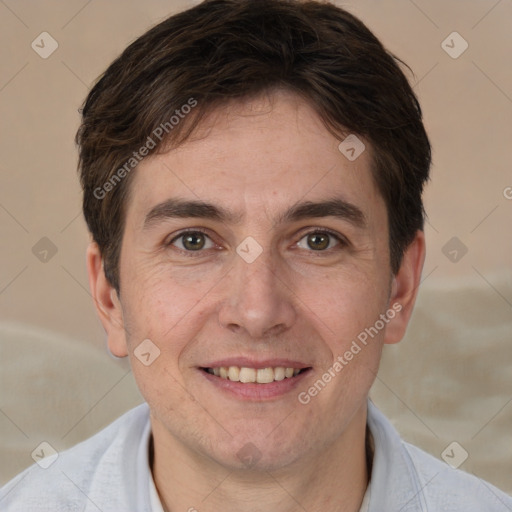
108,305
404,289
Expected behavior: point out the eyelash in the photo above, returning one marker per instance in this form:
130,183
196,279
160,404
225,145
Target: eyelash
322,231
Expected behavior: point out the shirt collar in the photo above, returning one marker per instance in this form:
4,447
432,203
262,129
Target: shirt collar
154,498
394,484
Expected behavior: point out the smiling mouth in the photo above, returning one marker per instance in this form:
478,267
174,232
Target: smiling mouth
255,375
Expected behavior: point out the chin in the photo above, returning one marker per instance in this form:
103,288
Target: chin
260,454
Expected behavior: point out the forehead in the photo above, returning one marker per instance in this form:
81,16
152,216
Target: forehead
261,155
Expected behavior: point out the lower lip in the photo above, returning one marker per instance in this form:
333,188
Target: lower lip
254,391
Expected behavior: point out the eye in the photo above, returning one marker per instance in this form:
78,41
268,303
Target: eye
321,240
192,241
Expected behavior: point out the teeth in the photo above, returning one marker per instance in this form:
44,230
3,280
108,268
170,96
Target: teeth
247,375
265,375
234,373
279,373
260,375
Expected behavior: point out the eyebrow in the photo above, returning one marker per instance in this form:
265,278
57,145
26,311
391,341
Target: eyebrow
180,208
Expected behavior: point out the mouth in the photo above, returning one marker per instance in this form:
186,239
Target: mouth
247,375
256,382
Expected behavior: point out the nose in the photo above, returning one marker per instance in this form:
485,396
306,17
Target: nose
258,299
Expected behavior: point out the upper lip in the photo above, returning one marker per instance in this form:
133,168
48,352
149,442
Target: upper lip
249,362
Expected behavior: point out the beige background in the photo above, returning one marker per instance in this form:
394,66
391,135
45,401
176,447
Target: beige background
449,380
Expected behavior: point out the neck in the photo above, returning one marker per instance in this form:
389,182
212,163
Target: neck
334,480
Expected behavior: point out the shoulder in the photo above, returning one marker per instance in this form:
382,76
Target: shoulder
421,482
452,490
81,472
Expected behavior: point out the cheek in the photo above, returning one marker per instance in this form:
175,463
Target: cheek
345,302
162,314
159,297
346,312
168,307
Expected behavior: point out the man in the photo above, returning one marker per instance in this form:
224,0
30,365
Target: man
252,175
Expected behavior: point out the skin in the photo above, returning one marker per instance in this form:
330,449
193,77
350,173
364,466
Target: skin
257,159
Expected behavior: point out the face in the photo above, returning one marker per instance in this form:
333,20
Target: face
256,245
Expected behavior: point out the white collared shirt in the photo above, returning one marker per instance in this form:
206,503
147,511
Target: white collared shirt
110,472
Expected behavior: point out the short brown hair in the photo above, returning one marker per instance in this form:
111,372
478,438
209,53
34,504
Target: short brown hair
224,50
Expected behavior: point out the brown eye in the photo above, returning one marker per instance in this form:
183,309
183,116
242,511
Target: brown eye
320,241
191,241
